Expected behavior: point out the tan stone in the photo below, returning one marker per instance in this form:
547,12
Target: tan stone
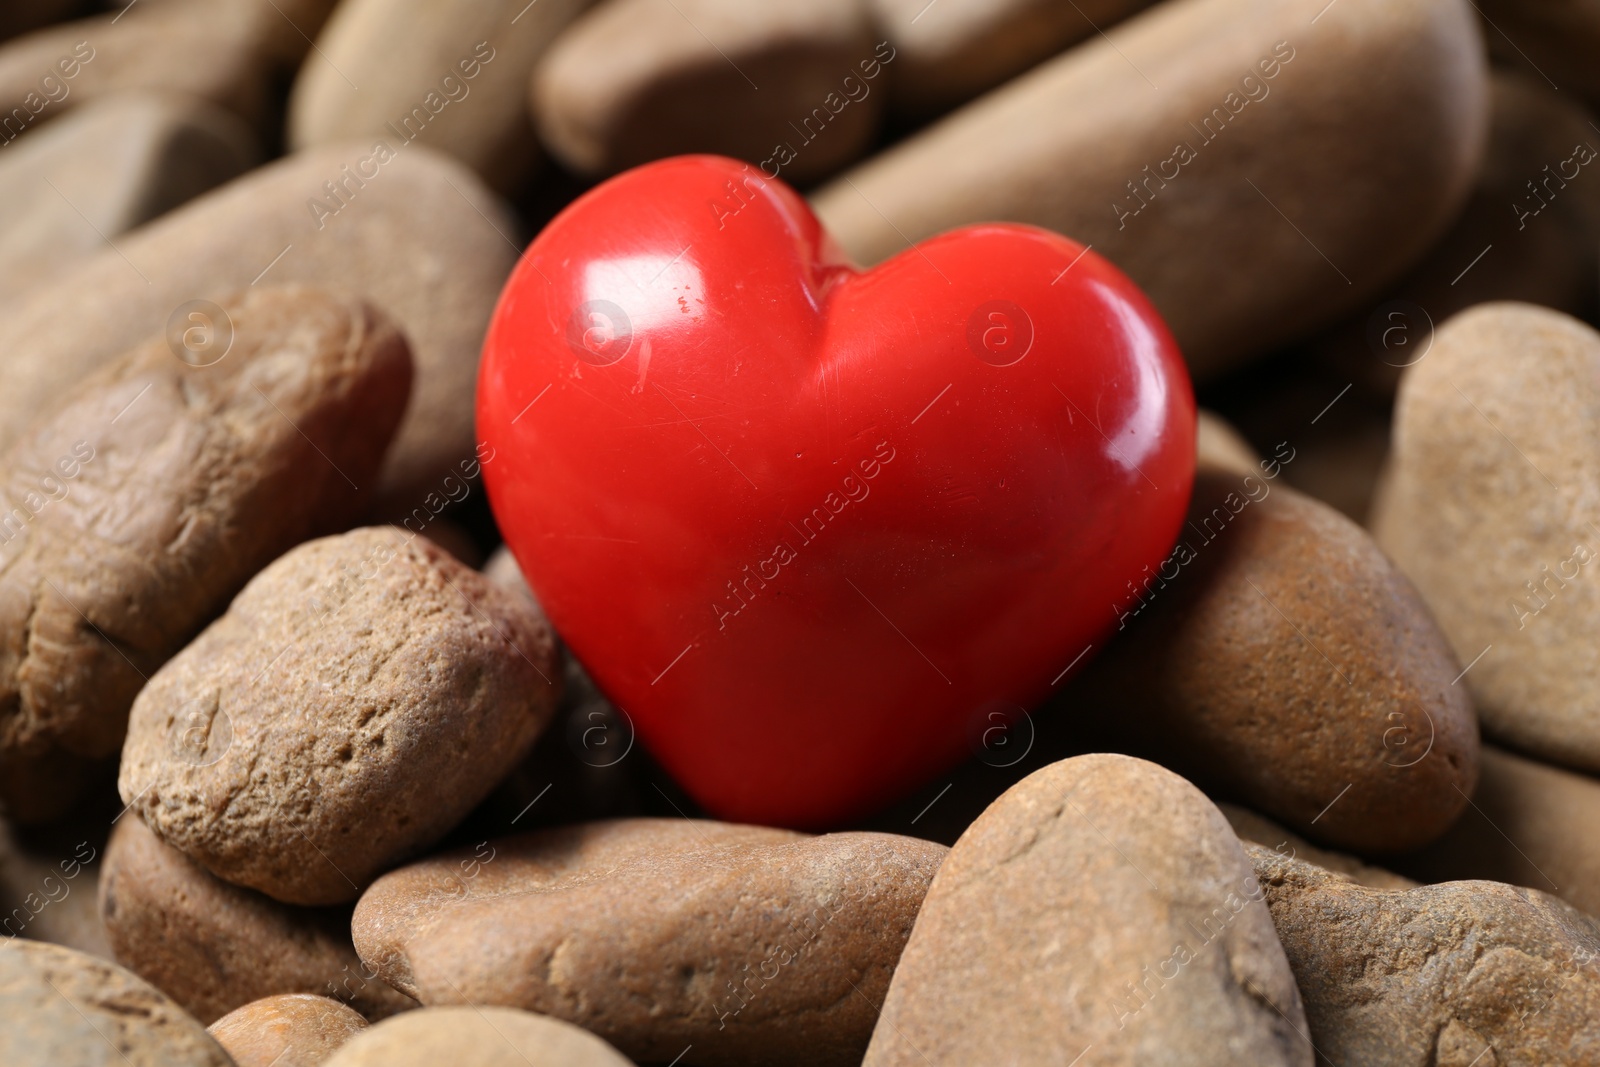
1278,658
1488,505
159,485
104,169
794,88
1101,903
233,54
1259,830
450,74
950,53
422,239
1468,973
1219,445
751,944
1530,825
1271,227
358,698
64,1007
213,947
290,1030
484,1037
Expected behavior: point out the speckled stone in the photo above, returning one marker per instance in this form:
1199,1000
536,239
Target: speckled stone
289,1030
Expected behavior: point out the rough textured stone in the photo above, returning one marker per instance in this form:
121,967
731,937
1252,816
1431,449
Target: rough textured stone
64,1007
103,170
797,88
291,1030
212,946
357,699
1262,831
1537,243
950,53
1531,825
484,1037
1457,975
1375,95
1488,505
1278,658
451,74
752,944
233,54
1102,902
48,881
158,486
422,239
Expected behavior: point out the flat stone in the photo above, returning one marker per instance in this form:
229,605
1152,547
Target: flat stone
796,89
420,237
1488,505
449,74
64,1007
751,944
1457,975
359,697
1101,903
214,947
290,1030
1209,132
1282,661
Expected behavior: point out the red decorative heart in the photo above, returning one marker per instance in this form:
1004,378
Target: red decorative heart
817,531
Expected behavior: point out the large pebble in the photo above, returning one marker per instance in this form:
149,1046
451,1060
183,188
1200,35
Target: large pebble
1531,824
212,946
449,74
234,54
103,170
1298,672
291,1030
63,1007
482,1037
357,699
795,88
751,944
1529,232
1467,974
1103,906
1488,505
948,54
419,236
1260,830
158,486
1223,153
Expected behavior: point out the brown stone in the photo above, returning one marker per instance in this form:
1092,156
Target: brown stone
483,1037
751,944
1259,830
1552,40
1279,659
950,53
233,54
450,74
1465,974
1530,824
1488,505
419,237
359,697
794,88
1109,144
103,170
289,1030
64,1007
213,947
1101,903
158,486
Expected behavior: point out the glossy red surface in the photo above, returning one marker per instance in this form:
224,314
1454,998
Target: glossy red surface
810,527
